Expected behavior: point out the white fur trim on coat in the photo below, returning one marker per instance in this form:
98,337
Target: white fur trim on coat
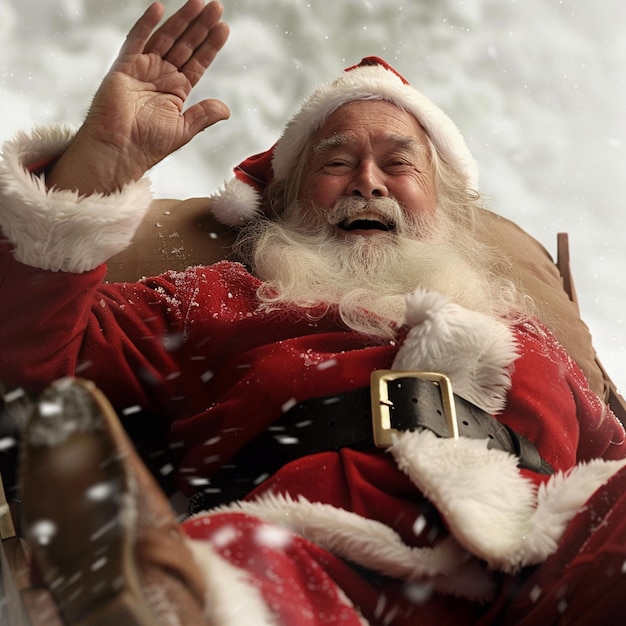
446,567
60,230
490,508
231,598
475,351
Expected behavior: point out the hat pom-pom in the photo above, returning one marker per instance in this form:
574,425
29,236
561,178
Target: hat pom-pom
236,203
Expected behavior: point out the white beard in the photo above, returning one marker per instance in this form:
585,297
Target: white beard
304,264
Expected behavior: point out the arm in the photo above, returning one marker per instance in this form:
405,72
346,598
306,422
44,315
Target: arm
54,241
56,324
550,403
137,117
92,201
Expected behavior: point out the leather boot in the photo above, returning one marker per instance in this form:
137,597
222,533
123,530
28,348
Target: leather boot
102,533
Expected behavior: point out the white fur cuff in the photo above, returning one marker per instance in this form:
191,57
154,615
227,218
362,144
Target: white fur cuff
59,230
231,597
490,508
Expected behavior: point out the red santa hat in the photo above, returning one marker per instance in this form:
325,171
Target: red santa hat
240,199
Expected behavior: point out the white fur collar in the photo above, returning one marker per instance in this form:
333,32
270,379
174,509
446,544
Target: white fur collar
474,350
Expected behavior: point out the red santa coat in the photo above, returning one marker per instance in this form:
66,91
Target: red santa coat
193,348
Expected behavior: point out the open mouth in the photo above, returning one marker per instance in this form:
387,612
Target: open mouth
367,221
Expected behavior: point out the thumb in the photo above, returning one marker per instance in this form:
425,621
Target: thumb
204,114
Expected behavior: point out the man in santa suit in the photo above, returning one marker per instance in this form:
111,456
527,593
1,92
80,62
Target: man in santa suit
488,490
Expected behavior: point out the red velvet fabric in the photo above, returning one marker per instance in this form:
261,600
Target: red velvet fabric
192,348
582,583
304,585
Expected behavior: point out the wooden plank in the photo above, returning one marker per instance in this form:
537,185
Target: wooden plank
613,397
25,604
7,528
13,611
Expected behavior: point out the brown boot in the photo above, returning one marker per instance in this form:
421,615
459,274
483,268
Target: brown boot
102,533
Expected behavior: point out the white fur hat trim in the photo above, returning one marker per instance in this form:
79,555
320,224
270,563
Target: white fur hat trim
366,82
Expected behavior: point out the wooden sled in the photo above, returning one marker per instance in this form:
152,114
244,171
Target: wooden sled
176,235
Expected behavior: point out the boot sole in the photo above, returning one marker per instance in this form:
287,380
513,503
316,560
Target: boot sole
80,535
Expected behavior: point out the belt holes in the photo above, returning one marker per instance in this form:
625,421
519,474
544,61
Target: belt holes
465,423
414,400
439,412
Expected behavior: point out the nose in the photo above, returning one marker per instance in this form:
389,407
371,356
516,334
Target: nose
368,181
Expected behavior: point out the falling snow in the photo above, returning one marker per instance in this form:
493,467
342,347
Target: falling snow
524,125
480,60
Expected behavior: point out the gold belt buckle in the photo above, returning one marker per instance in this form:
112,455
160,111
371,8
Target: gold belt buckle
381,415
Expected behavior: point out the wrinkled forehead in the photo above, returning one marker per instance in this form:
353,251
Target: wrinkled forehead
375,121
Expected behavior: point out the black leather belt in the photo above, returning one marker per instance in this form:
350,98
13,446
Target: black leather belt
395,402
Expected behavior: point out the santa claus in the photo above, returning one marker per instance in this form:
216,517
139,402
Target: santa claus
377,413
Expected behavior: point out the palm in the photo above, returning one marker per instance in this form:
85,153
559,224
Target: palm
138,115
139,108
141,101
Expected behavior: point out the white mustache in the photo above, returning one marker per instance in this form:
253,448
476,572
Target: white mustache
348,207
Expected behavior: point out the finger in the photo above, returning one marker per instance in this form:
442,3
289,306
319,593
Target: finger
195,67
167,35
143,27
196,34
205,114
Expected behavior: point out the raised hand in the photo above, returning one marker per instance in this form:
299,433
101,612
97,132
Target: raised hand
138,115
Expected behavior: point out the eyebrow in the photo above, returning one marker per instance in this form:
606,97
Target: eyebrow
337,141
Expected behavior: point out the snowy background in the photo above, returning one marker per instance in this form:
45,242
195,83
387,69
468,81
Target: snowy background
536,86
